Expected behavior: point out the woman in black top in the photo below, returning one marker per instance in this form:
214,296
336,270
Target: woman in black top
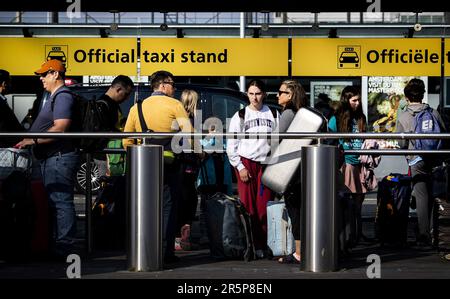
292,96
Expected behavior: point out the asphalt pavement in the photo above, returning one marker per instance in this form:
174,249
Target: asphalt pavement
410,262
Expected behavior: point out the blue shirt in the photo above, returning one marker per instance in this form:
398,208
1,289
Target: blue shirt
348,144
62,109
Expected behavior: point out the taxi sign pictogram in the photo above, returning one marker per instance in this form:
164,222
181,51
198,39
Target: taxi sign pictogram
57,52
349,57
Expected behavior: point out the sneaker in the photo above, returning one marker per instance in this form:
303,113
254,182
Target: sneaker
289,259
185,241
259,254
178,244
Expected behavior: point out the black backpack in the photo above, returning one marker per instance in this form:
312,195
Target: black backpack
241,114
229,228
89,116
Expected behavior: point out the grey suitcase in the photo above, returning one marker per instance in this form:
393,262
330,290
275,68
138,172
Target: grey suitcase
280,239
285,159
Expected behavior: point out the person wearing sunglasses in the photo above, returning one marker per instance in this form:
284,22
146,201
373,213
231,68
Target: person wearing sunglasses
161,112
292,97
247,155
58,158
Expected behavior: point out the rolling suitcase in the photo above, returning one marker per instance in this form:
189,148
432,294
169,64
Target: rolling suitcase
441,225
441,208
393,202
286,158
280,239
346,222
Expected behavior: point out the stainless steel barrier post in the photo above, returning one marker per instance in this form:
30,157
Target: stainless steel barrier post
144,207
319,230
88,204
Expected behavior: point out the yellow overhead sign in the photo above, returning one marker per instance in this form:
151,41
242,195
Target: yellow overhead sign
215,57
82,56
447,57
367,57
230,56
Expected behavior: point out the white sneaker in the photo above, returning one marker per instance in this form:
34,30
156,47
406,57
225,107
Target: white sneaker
178,244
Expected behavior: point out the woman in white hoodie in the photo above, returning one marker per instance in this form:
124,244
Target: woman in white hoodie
247,155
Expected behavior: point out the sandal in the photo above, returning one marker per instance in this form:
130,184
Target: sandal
289,259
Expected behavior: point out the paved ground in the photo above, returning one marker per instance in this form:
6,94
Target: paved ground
411,262
406,263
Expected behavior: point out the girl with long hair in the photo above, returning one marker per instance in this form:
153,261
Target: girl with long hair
247,155
350,118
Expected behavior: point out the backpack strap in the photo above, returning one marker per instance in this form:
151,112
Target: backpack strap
52,103
52,106
274,112
241,114
142,120
141,117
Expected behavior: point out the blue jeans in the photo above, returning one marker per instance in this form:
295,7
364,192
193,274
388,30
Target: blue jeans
58,175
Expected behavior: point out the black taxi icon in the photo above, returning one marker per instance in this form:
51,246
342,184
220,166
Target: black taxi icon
57,54
349,58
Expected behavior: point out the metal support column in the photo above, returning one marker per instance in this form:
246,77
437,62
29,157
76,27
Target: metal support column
319,230
88,204
242,35
144,207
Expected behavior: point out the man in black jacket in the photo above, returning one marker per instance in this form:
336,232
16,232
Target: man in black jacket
119,91
8,121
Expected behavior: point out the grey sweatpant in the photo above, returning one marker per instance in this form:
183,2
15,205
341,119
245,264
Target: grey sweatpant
421,178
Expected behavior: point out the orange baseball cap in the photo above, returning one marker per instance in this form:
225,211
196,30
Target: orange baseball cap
51,65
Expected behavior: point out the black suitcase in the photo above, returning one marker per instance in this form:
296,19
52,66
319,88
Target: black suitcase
441,208
441,225
109,215
440,182
393,202
347,223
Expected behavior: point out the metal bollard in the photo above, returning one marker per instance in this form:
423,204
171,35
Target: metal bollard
88,204
144,207
319,230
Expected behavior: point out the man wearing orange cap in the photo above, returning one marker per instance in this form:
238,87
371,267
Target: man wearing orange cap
58,158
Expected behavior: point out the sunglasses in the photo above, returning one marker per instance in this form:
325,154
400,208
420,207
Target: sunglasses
280,92
46,73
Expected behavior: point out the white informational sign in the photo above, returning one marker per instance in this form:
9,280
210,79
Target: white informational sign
332,89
